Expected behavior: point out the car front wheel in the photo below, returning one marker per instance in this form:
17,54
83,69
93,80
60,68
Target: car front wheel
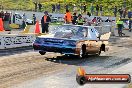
42,52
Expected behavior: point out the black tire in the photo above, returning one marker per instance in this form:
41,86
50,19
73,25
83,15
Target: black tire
82,53
81,80
42,52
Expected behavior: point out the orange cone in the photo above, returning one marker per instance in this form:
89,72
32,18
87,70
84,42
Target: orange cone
37,29
1,25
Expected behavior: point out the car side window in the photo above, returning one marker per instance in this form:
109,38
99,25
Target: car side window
85,29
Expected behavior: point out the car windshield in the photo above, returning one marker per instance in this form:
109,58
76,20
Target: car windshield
69,31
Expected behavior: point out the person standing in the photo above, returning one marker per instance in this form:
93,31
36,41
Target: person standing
80,20
89,14
74,20
68,17
84,8
74,8
115,11
97,10
53,8
58,7
81,8
101,10
34,19
40,6
120,12
24,21
120,27
35,5
92,9
45,22
66,7
130,24
124,13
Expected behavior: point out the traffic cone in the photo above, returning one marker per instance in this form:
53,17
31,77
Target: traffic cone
1,25
37,29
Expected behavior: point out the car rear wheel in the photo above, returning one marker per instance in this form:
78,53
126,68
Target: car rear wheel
82,51
42,52
81,80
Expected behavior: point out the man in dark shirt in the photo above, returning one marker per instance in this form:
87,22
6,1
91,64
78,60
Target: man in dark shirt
97,10
74,20
101,10
115,11
45,22
120,12
53,8
84,8
40,7
35,4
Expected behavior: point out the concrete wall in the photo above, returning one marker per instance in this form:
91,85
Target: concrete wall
16,40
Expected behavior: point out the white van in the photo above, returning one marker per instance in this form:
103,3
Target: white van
18,19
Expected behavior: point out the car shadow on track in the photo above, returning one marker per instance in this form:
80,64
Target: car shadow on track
75,60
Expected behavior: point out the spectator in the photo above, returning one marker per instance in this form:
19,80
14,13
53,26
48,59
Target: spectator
40,7
2,15
10,18
45,22
120,27
35,4
94,20
115,11
97,10
89,14
68,17
67,7
120,12
80,20
81,8
58,7
24,21
34,19
92,9
124,12
74,20
129,14
74,8
6,18
101,10
53,8
130,24
84,8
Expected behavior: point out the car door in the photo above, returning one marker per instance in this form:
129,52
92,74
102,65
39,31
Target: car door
93,44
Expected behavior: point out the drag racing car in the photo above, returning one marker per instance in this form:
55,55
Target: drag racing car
72,40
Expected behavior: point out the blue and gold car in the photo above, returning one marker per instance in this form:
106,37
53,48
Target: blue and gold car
72,39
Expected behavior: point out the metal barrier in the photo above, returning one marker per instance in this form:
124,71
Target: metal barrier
16,40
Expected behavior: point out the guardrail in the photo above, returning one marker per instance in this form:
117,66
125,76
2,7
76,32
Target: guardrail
16,40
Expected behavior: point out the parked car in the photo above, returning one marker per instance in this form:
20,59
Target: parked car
18,19
71,39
